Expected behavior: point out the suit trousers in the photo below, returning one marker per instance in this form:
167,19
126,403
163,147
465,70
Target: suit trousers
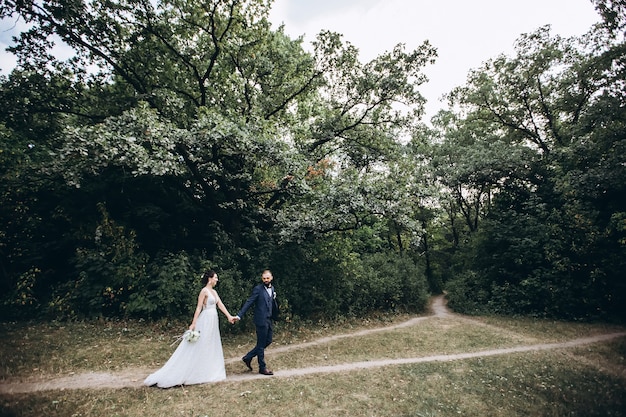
264,334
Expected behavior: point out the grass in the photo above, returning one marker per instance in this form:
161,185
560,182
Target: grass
589,380
428,338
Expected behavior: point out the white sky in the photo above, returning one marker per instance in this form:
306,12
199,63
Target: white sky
465,32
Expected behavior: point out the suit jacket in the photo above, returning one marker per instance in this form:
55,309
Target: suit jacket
262,305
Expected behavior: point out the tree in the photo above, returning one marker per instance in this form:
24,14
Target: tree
200,126
612,12
548,245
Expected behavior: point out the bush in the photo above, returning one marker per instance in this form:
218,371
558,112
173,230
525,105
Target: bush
391,282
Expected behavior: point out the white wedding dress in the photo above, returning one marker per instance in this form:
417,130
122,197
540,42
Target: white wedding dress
195,362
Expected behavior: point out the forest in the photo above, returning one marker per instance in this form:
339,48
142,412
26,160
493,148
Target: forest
189,135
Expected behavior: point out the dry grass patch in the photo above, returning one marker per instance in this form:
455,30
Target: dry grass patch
434,336
585,381
549,331
530,384
32,350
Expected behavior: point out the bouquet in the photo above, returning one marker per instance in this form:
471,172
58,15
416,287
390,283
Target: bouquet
189,335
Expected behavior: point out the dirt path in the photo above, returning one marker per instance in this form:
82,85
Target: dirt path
134,377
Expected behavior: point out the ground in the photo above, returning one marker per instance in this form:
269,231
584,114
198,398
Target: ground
133,377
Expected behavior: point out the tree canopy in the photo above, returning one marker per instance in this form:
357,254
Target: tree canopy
202,134
189,135
543,172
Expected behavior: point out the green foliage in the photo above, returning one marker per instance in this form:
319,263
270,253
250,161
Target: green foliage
23,297
391,282
170,290
337,276
317,278
548,244
468,293
108,271
205,139
613,13
206,135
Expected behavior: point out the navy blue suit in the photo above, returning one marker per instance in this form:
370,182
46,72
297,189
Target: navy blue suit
262,302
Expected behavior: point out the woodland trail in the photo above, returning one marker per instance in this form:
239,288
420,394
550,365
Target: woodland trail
133,377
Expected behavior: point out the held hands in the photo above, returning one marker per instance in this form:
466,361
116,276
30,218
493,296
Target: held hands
233,319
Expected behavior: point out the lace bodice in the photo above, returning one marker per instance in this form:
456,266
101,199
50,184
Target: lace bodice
210,301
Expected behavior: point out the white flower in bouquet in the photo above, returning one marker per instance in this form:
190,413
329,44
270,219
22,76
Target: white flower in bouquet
189,335
192,335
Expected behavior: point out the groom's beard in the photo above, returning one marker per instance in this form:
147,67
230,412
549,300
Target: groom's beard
268,285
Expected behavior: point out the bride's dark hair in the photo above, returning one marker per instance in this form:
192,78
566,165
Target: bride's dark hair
208,274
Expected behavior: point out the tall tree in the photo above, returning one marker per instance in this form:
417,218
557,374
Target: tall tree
197,125
551,238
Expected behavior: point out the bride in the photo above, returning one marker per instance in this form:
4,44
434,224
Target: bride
200,361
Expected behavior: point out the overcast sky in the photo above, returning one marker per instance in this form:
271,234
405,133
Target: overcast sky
465,32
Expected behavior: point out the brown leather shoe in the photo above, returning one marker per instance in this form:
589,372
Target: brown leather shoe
266,372
247,362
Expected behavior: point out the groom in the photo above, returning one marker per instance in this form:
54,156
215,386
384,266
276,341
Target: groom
262,297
